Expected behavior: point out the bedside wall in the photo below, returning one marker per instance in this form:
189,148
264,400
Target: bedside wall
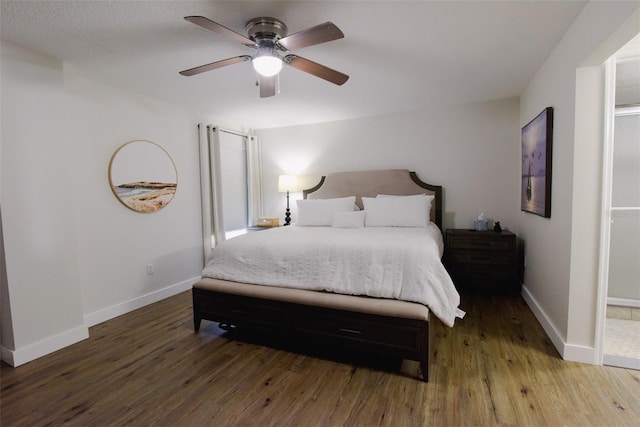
471,150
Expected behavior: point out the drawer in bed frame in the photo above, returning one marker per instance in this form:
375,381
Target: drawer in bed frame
403,337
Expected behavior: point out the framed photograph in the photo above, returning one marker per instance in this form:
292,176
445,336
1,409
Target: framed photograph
537,139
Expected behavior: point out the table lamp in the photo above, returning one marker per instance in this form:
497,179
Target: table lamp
287,183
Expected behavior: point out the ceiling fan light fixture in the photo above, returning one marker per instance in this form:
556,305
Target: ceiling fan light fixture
267,63
269,36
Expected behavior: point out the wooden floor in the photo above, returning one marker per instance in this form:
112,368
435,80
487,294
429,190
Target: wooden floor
495,367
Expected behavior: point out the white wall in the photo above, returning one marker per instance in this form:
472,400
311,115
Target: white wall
116,243
37,208
562,252
471,150
76,256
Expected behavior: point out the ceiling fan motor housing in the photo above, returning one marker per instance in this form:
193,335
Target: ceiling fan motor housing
265,30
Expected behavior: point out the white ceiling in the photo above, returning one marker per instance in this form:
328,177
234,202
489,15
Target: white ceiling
400,55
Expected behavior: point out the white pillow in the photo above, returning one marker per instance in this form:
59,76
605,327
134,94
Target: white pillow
397,211
429,198
348,219
319,212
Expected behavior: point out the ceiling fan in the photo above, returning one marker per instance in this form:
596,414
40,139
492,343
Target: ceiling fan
269,37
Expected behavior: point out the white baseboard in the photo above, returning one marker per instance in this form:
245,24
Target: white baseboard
548,326
580,353
33,351
119,309
7,356
621,362
623,302
41,348
571,352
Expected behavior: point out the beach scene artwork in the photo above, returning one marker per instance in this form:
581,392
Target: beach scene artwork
536,165
142,176
146,196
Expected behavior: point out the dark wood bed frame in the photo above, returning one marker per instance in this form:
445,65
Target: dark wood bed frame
405,337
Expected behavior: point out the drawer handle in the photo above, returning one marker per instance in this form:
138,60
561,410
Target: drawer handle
479,243
237,311
351,331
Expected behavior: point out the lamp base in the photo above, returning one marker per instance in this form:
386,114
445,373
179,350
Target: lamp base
287,217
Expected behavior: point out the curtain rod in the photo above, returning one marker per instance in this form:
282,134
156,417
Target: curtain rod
244,135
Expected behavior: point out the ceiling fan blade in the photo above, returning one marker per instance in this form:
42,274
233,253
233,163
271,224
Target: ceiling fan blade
315,35
214,65
318,70
268,85
220,29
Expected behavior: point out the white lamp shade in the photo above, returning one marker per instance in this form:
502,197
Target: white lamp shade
267,65
287,183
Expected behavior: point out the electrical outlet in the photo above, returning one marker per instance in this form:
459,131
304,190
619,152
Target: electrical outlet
150,269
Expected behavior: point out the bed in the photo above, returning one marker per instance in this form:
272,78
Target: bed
384,284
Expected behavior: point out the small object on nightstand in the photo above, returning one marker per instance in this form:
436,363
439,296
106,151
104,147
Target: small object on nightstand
267,221
497,227
480,224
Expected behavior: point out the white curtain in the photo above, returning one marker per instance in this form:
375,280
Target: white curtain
234,186
254,179
206,189
212,185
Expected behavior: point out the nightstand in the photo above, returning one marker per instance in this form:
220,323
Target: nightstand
482,260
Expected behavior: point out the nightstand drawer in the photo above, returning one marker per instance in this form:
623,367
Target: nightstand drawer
480,242
482,257
483,275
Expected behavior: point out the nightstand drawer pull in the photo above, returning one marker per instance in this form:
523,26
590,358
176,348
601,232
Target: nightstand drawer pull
350,331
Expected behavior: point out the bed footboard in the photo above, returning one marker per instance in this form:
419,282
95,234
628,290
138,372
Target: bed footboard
372,329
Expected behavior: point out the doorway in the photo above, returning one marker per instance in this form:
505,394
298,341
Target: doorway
621,345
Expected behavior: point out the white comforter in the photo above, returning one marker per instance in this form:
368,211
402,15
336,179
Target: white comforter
386,262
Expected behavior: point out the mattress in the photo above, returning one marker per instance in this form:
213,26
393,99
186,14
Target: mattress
401,263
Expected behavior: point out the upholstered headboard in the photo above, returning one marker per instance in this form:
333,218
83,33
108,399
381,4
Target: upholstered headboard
371,183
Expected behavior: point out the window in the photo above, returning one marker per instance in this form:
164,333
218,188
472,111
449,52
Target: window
234,186
231,187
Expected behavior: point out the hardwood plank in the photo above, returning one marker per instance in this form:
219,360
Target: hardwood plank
148,367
